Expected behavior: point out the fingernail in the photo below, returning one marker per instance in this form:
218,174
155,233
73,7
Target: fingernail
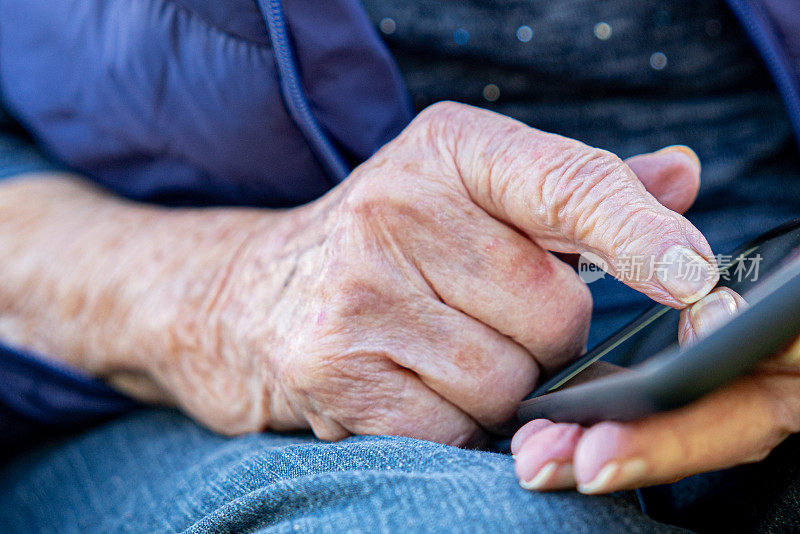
601,480
552,476
685,274
540,478
711,312
688,152
615,475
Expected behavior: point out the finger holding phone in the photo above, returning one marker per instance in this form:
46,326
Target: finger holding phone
736,424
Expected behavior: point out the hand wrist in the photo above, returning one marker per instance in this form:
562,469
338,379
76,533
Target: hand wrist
110,286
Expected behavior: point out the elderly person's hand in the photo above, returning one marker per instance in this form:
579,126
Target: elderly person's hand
417,298
740,423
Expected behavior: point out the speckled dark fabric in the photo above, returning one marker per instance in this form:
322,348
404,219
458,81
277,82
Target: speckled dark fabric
714,94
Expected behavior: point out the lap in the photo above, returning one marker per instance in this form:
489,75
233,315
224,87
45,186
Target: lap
156,471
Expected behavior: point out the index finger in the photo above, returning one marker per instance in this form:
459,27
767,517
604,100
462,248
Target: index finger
570,197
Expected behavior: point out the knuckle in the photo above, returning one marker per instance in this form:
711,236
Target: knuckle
398,205
376,408
578,312
398,185
326,431
368,198
493,175
403,226
565,331
372,204
356,296
759,454
230,421
783,411
440,113
436,131
345,379
433,123
491,391
499,404
577,301
237,429
783,416
580,180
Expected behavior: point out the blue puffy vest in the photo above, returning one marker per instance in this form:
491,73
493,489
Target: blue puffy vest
245,102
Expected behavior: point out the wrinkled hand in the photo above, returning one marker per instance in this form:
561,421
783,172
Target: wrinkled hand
740,423
418,297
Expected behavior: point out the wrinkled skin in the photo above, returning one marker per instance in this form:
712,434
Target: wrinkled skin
417,298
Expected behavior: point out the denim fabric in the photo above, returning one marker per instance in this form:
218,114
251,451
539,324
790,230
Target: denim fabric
156,471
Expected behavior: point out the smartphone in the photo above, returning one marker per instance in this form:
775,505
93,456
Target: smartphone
641,369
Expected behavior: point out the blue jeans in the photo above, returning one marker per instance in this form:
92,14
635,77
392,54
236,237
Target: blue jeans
156,471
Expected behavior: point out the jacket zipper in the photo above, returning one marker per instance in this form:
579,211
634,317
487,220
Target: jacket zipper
294,95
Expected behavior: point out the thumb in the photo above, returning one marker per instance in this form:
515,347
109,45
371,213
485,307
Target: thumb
570,197
708,314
